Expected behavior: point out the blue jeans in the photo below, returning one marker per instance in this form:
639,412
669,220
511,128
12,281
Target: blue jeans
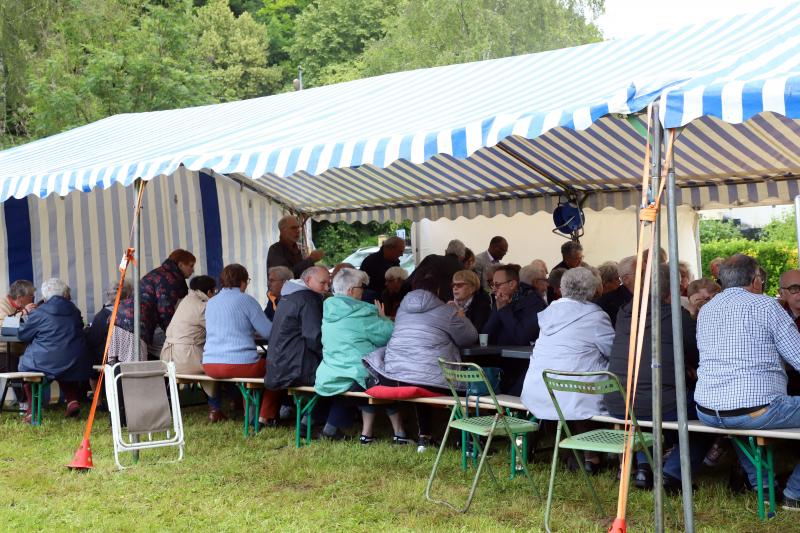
783,412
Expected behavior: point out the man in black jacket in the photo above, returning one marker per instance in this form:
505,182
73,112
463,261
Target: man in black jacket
295,345
376,264
286,252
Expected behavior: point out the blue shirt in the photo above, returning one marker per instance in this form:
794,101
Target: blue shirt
743,339
232,320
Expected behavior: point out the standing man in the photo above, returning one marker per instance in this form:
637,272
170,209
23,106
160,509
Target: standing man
745,338
376,264
571,255
498,248
286,252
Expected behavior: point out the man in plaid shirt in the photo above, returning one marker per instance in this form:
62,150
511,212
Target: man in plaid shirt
744,338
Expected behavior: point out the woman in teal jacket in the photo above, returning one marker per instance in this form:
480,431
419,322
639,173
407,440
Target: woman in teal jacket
351,329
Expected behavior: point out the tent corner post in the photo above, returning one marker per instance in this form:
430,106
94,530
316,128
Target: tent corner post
137,265
797,225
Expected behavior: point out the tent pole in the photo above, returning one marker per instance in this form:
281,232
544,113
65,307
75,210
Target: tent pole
655,330
137,256
677,346
797,223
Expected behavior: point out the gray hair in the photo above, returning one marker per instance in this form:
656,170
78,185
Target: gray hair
579,283
347,278
738,271
20,288
111,291
609,271
529,273
627,265
282,272
310,271
393,242
285,220
457,248
54,287
396,273
570,248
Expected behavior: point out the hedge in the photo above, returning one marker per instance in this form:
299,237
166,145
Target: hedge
774,257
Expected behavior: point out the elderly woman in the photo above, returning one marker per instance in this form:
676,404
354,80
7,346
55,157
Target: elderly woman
575,336
98,329
276,277
18,302
699,293
159,293
351,329
425,329
56,345
392,293
233,319
469,300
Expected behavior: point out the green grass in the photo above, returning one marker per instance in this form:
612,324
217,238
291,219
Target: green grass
227,483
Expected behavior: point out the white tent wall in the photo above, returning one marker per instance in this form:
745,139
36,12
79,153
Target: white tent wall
80,238
609,235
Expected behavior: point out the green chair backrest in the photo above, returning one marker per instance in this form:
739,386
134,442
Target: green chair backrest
455,373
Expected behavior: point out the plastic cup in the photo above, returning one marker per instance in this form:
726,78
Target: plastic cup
483,339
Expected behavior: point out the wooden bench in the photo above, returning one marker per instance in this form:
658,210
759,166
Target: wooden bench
251,389
37,381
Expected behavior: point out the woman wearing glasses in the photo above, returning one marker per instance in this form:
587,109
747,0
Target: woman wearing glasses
469,300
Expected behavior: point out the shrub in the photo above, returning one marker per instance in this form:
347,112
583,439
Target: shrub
774,257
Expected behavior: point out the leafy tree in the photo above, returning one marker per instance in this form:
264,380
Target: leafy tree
340,239
718,230
279,17
774,257
781,229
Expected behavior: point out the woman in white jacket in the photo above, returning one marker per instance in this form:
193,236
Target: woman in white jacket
575,336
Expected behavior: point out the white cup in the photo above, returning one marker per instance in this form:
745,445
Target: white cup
483,339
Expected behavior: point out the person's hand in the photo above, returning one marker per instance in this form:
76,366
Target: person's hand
453,303
316,255
461,313
381,310
501,300
28,308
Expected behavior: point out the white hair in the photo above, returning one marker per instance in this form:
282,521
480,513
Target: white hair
530,273
310,271
282,272
284,221
396,273
579,283
348,278
54,287
457,248
627,265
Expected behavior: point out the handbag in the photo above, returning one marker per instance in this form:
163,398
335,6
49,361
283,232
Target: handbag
10,326
493,376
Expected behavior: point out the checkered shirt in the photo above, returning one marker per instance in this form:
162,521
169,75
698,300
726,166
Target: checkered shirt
743,340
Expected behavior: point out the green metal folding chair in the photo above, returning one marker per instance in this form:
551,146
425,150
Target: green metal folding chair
598,440
498,424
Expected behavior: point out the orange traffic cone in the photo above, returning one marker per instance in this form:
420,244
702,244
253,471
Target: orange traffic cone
83,457
618,526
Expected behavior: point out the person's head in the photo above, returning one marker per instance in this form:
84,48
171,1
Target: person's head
627,272
741,270
505,280
465,284
276,277
205,284
541,264
185,261
338,267
610,276
393,248
572,253
456,248
395,276
469,259
790,290
111,292
554,280
22,292
714,266
498,247
317,279
579,284
662,255
289,229
54,287
427,279
534,275
350,282
700,292
234,276
686,277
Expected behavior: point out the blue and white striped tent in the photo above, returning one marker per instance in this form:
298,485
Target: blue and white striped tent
478,138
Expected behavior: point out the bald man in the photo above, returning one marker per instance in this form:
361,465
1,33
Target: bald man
286,251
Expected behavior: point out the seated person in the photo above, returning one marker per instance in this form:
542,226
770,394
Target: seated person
535,277
644,395
56,345
186,337
276,277
613,300
98,329
18,302
233,319
469,299
351,329
425,330
554,284
575,336
392,293
699,292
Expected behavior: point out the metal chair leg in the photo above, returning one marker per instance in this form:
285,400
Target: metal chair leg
552,481
436,465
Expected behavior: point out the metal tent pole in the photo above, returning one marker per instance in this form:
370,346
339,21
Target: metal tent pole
655,330
677,349
137,255
797,223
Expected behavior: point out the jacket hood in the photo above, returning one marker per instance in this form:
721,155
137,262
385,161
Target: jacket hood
294,285
564,312
57,306
420,301
340,307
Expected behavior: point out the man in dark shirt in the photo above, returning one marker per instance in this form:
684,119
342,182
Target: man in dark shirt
571,255
613,301
287,253
376,264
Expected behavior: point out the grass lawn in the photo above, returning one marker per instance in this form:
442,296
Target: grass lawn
226,483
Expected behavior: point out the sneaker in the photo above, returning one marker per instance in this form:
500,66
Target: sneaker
216,415
423,443
402,440
334,437
363,439
268,422
644,477
286,412
714,455
73,409
790,504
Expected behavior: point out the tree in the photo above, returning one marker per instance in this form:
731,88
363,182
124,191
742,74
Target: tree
279,17
340,239
718,230
781,229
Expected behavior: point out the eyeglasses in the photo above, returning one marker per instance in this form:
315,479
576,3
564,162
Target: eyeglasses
791,289
458,284
497,285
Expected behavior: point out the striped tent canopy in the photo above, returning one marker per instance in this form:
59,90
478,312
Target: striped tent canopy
489,137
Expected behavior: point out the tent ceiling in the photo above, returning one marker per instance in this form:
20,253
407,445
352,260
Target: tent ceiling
474,137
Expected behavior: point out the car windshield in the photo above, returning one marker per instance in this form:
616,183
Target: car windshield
357,257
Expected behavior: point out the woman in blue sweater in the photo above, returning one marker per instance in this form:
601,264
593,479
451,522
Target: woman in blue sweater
233,319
